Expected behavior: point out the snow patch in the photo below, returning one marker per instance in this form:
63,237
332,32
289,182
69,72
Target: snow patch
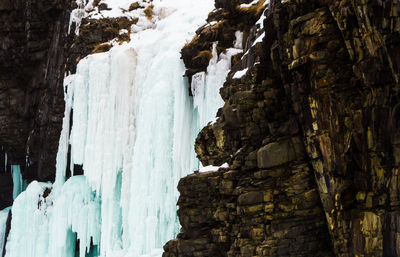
240,74
214,168
259,39
254,2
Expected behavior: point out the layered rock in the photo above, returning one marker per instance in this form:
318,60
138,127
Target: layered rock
32,58
310,132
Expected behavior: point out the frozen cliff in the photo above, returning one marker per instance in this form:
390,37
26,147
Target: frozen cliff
199,128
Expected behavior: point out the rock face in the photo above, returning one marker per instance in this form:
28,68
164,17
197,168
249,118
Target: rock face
311,130
311,133
32,58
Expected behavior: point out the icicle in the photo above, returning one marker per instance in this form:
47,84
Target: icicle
61,159
207,99
18,183
197,87
76,16
103,131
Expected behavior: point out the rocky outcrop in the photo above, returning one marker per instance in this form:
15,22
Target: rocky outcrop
94,37
311,135
32,57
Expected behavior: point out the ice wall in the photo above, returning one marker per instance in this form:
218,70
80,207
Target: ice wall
75,215
103,131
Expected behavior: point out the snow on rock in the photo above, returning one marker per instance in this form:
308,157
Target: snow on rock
250,4
259,39
260,22
239,74
214,168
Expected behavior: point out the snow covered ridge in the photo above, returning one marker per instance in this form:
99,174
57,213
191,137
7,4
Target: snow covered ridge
143,13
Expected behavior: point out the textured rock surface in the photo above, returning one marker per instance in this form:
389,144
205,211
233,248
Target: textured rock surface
311,133
33,38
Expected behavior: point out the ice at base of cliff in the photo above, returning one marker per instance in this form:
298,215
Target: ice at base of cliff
3,225
48,225
29,225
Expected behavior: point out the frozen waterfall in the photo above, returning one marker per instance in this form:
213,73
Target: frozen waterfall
133,130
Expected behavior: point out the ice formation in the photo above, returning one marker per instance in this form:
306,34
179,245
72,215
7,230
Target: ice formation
3,225
18,183
29,235
133,131
205,85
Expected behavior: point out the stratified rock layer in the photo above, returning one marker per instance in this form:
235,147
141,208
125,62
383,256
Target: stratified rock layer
312,135
32,57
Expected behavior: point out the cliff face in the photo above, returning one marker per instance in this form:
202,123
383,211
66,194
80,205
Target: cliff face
311,133
32,58
311,130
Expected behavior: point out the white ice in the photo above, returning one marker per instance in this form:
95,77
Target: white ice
3,224
29,234
205,86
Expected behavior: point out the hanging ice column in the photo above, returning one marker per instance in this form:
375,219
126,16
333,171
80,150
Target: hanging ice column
103,131
18,184
134,135
206,85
